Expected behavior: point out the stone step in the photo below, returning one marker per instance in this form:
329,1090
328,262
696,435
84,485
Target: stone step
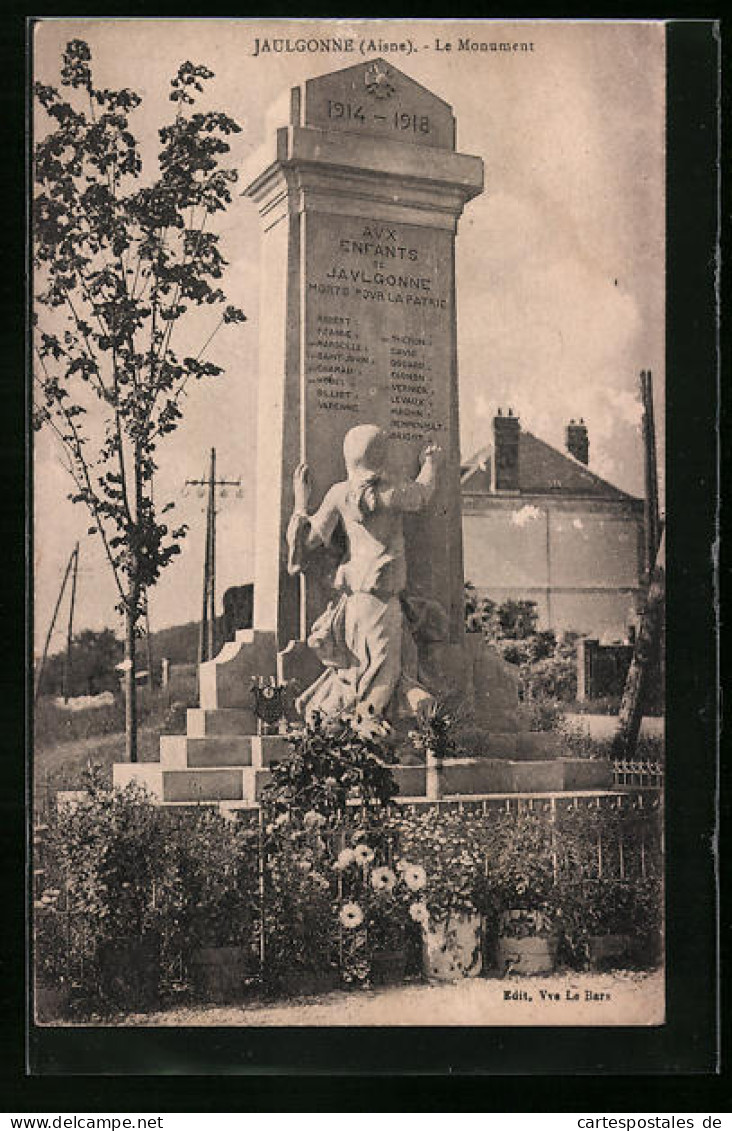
519,745
539,744
203,723
181,751
488,775
202,784
460,776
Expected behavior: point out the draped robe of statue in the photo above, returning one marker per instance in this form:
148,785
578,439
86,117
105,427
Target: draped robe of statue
363,638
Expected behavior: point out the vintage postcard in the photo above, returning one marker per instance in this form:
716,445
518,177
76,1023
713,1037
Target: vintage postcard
349,512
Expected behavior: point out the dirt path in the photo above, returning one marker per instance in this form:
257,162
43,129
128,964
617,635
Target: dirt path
613,998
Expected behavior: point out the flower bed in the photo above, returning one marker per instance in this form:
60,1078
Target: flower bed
314,891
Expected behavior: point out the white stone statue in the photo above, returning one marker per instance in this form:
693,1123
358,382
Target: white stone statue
363,638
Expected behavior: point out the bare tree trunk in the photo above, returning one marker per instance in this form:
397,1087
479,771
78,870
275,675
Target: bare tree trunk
131,678
132,616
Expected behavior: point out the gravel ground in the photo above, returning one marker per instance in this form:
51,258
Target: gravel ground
615,998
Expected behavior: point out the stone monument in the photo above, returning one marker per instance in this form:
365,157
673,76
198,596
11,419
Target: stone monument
360,193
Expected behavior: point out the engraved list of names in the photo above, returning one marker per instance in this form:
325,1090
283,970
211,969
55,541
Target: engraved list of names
378,301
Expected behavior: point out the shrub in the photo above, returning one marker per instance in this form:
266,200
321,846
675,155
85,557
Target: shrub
329,764
121,871
300,905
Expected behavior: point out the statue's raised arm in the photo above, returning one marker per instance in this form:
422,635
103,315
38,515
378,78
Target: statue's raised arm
306,532
415,494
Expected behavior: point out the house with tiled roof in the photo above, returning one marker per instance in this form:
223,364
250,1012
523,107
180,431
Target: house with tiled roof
540,525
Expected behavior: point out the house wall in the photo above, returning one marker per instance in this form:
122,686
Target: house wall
580,560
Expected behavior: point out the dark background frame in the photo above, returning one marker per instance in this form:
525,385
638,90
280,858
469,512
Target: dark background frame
567,1064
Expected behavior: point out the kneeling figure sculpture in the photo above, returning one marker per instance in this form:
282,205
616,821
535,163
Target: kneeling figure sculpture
363,638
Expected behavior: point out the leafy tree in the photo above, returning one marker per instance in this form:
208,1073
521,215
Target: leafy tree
94,656
479,612
119,261
517,619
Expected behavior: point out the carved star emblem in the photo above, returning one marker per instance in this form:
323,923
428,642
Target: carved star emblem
378,81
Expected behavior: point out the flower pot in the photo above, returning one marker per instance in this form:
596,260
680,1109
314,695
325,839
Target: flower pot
219,971
130,971
308,982
532,954
452,950
388,967
603,950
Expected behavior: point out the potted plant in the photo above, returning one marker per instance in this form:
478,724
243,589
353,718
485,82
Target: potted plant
433,738
527,942
609,922
108,847
521,895
442,862
332,776
52,982
380,916
300,908
210,902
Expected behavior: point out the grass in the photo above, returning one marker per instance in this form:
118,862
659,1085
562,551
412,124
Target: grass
63,766
66,743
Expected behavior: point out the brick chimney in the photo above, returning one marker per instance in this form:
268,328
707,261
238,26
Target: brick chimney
578,442
506,432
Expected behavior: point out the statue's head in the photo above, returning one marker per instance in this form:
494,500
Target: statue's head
364,449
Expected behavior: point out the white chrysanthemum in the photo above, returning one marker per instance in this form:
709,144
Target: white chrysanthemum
346,857
415,877
351,916
420,913
382,879
363,854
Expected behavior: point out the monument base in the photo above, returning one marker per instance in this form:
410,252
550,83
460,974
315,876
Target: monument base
222,760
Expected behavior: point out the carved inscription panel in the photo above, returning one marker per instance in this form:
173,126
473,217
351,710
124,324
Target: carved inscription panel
378,337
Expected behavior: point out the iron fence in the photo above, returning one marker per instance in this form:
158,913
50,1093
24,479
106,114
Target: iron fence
640,773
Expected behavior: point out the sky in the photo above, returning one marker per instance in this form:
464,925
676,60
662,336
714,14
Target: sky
559,263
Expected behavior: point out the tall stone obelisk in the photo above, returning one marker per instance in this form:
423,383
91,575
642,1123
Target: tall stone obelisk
360,197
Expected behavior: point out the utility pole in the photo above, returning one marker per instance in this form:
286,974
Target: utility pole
74,557
148,643
70,627
207,630
652,521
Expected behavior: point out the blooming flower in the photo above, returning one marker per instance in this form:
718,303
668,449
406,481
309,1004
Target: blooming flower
363,853
351,916
312,819
400,865
346,857
382,879
415,877
420,913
